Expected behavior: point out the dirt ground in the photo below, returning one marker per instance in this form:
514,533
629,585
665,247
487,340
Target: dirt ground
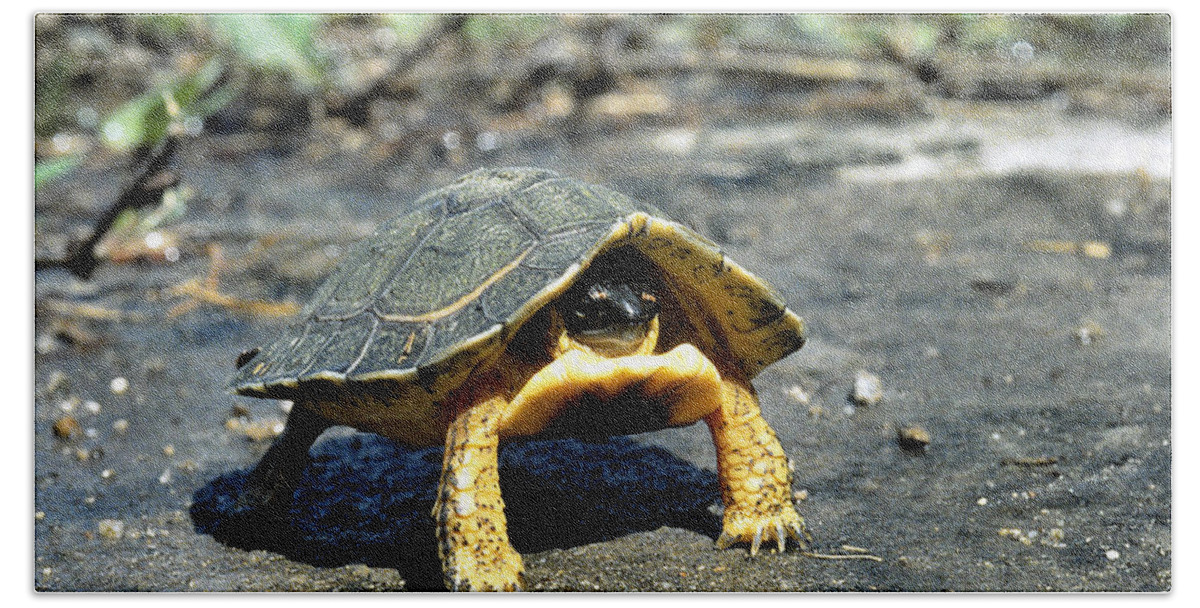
993,245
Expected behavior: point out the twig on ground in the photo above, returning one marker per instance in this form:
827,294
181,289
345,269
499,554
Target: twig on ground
206,291
145,190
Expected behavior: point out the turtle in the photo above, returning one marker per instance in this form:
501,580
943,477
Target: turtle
518,303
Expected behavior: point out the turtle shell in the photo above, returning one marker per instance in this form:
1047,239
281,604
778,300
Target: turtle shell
411,311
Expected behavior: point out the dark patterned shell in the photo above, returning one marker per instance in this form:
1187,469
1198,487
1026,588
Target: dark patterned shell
436,291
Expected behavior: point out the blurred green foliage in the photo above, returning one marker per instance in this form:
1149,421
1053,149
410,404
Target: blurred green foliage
46,171
508,29
126,79
408,27
277,41
144,121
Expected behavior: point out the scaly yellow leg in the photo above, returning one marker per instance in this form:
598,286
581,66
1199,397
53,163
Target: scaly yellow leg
471,528
756,482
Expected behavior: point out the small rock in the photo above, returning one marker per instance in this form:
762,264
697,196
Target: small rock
868,389
118,385
111,529
798,394
1088,332
1112,555
56,381
262,430
120,426
913,439
67,427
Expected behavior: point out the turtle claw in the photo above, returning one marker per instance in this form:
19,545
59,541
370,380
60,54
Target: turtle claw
744,528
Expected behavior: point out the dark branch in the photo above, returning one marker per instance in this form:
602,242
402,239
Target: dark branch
145,190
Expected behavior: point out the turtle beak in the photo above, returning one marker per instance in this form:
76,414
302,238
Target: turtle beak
619,340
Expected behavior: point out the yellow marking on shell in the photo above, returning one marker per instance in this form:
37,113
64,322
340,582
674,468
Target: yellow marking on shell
462,302
408,345
259,368
335,377
620,230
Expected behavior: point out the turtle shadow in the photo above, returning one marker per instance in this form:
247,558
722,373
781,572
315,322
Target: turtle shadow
365,499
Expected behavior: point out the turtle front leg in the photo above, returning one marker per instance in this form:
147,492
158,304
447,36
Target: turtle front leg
471,528
756,481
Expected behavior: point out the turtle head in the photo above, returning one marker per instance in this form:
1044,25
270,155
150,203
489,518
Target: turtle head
612,317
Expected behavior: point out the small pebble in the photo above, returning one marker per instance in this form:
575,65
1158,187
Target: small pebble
92,407
1112,555
67,427
487,141
913,439
262,430
120,425
168,450
797,393
868,389
1088,333
112,529
981,502
118,386
56,381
